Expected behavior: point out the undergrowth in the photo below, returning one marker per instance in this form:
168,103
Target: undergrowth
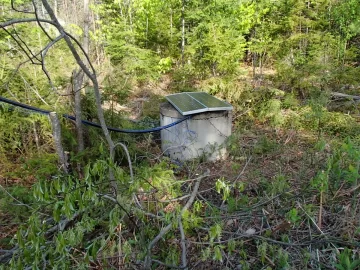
286,198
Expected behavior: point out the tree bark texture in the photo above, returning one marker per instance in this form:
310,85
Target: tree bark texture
78,77
91,74
183,33
56,129
86,43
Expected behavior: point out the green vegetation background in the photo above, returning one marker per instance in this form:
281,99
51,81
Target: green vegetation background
286,198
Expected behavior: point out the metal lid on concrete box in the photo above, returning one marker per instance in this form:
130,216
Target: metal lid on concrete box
196,102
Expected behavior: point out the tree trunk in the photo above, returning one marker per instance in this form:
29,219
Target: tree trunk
78,80
55,8
86,43
254,60
171,23
95,18
183,33
147,31
261,64
78,77
130,16
36,136
56,128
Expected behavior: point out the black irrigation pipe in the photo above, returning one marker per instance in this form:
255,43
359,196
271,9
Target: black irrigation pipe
92,124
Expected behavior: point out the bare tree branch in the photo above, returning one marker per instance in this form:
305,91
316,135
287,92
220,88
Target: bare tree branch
20,45
183,245
83,51
43,55
37,19
131,218
44,51
21,11
33,89
91,75
77,80
26,46
345,96
24,20
33,56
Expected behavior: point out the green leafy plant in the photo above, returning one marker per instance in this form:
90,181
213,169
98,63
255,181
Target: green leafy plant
278,184
293,216
282,259
223,188
265,145
262,251
346,261
215,232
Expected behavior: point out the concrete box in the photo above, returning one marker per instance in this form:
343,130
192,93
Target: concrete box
203,135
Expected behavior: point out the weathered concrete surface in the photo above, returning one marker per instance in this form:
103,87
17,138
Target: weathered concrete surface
203,135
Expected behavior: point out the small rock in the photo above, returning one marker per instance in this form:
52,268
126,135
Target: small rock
250,231
231,222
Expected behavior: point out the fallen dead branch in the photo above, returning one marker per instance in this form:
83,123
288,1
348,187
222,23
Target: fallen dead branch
345,96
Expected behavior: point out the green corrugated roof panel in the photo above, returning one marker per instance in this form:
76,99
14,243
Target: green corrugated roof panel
196,102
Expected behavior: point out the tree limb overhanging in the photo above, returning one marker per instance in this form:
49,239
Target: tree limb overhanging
18,10
73,45
25,20
38,22
25,50
43,55
90,73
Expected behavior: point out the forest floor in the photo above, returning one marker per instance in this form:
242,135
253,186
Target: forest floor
279,210
279,216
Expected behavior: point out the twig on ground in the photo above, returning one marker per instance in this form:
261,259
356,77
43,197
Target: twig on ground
148,259
167,265
348,192
8,254
120,245
297,244
243,170
121,207
11,196
311,219
320,209
127,156
175,199
183,245
61,225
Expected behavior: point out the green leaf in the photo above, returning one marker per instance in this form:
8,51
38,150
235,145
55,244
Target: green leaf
231,246
57,210
217,253
20,239
339,267
215,232
355,264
